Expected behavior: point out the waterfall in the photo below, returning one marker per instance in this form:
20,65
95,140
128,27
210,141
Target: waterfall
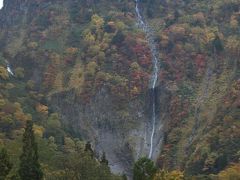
9,69
1,4
152,45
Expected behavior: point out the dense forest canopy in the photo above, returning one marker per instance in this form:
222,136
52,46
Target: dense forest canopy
75,76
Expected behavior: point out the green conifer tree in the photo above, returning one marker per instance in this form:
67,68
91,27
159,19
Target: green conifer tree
144,169
217,45
29,165
88,149
104,159
5,164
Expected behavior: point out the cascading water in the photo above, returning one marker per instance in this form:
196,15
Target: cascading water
1,4
9,69
144,26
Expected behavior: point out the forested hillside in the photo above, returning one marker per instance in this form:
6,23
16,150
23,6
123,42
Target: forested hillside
81,71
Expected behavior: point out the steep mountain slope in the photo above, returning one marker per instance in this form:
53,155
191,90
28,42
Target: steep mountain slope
199,49
89,61
87,66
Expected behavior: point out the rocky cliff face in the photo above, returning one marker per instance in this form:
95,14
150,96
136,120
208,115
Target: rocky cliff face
122,132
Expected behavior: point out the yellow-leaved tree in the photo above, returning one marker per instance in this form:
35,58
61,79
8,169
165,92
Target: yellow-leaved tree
3,73
97,21
231,173
165,175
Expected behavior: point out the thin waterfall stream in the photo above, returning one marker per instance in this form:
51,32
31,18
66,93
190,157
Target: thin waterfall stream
154,78
9,69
